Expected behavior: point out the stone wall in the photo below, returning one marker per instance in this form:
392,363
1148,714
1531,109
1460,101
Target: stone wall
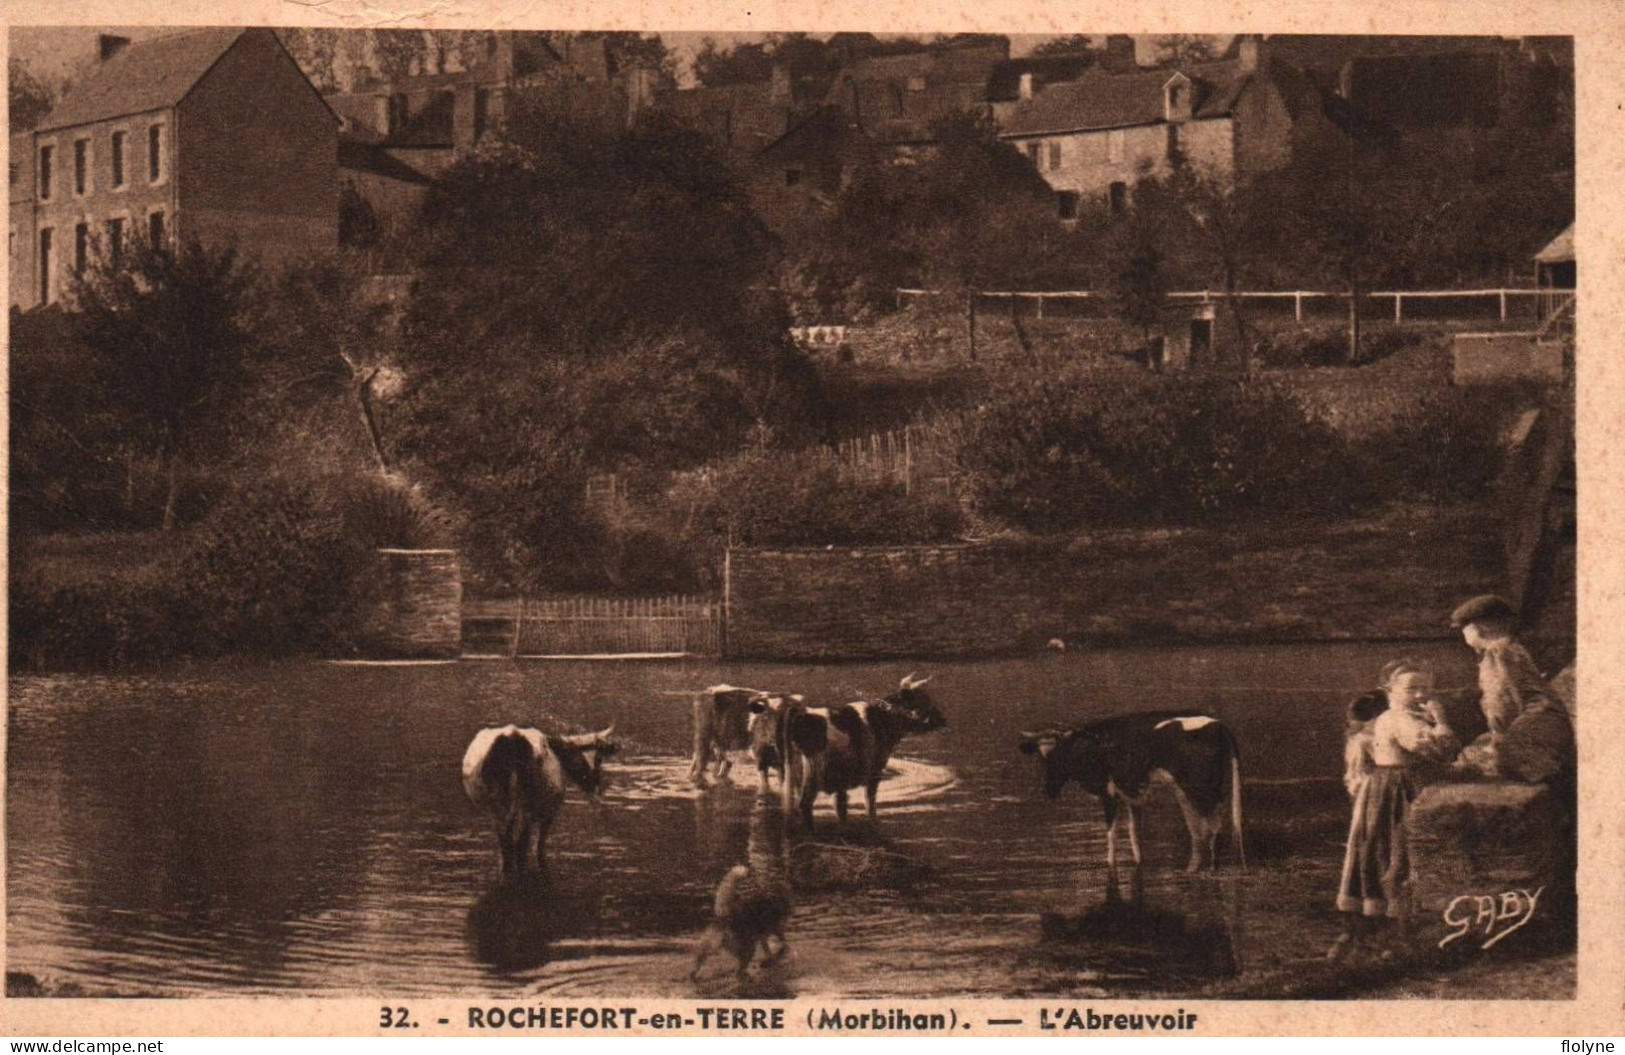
1492,358
1392,577
887,601
418,607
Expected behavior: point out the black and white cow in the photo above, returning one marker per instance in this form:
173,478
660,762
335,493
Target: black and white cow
770,747
520,775
1119,758
848,746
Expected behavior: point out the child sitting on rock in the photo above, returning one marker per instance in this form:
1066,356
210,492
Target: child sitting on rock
1385,756
1531,738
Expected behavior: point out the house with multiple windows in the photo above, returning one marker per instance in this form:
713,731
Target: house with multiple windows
215,135
1094,138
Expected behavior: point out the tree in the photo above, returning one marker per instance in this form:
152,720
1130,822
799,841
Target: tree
30,98
171,329
1346,213
598,295
324,342
715,66
1181,49
969,213
1073,44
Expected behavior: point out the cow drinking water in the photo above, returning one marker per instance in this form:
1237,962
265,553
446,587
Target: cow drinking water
848,746
521,776
1117,759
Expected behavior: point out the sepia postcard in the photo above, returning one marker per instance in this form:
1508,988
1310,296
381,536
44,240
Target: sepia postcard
819,520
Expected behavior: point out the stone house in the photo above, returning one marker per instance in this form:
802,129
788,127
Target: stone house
1094,138
214,134
398,133
21,239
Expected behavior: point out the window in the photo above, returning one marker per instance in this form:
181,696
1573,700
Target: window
13,174
81,247
115,239
155,153
1066,202
792,177
45,266
117,158
46,154
1117,197
1114,145
916,84
1032,152
1054,156
482,111
155,229
81,166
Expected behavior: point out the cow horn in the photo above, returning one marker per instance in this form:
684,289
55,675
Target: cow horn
908,681
607,733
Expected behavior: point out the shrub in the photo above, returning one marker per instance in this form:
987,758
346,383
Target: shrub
104,617
283,562
1327,344
1451,445
806,498
1054,452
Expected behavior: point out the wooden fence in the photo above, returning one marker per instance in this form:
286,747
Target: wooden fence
914,456
591,626
1399,305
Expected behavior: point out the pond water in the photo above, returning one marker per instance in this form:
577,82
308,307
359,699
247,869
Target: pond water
301,827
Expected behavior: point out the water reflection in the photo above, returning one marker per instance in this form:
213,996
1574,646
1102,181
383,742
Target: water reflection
752,905
1195,935
513,925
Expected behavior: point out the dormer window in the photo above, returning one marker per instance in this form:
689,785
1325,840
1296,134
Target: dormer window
1176,97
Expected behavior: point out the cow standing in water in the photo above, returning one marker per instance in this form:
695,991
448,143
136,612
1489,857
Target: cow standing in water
1117,759
521,776
848,746
770,747
725,722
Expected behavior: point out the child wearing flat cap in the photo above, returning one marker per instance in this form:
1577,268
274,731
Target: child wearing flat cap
1530,736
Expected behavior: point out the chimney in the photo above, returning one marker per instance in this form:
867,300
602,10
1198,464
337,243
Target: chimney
1026,90
108,45
641,84
780,90
381,114
1119,57
1250,52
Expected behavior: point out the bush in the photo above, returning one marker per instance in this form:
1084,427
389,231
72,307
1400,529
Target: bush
1327,344
808,498
102,617
1060,452
1451,445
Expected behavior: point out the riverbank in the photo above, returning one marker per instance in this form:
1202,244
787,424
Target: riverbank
93,601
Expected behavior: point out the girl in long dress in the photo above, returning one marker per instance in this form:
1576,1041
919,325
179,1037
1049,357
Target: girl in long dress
1409,733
